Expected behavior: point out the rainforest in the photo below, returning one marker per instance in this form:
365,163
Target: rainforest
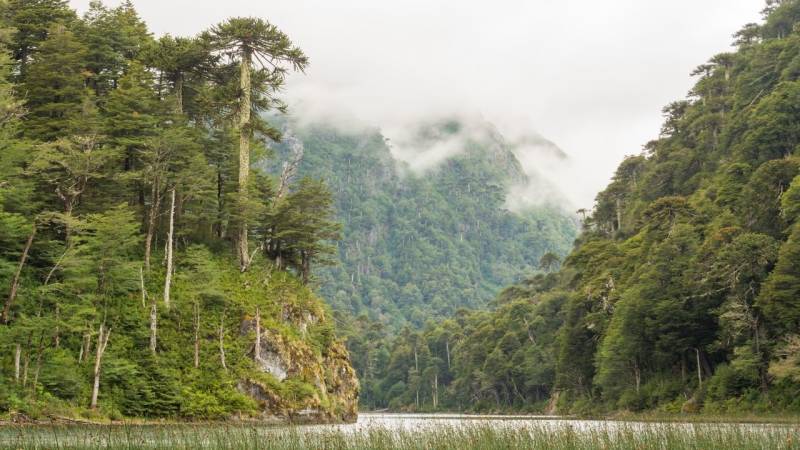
179,241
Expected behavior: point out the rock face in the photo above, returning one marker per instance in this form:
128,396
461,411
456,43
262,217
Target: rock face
302,372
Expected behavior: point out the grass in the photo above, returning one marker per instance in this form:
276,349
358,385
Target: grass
506,435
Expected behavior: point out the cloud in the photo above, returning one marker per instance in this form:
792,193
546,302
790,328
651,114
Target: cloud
589,75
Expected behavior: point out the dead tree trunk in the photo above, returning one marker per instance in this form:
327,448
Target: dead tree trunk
168,277
435,391
102,342
86,348
12,294
155,203
27,360
141,285
222,343
257,352
17,355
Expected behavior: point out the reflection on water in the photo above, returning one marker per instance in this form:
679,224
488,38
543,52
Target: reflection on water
422,422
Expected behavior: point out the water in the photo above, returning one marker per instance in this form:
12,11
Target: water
426,422
377,430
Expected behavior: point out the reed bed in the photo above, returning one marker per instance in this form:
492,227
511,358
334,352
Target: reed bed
469,436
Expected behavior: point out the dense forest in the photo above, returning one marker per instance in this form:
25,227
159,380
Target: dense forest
418,245
683,291
150,269
164,225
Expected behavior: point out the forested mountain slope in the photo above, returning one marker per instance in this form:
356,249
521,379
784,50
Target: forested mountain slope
147,271
423,238
683,292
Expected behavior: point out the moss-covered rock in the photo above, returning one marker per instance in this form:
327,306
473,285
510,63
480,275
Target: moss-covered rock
302,371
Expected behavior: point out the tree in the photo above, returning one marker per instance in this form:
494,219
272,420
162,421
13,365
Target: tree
780,294
549,262
248,41
32,22
177,59
299,228
68,166
54,86
114,38
133,119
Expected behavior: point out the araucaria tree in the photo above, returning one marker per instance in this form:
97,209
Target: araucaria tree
265,55
116,157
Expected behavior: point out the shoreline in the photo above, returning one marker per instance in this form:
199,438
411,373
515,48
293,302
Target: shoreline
63,421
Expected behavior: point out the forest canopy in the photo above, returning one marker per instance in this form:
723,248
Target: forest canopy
682,292
151,270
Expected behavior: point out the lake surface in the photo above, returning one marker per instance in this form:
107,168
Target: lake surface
410,422
423,431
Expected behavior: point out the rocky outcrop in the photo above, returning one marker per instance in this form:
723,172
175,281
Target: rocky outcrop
300,374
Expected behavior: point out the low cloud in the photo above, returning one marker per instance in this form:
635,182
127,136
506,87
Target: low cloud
591,76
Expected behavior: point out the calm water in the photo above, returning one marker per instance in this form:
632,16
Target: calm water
244,435
410,422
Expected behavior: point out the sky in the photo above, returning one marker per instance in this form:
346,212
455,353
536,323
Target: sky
591,76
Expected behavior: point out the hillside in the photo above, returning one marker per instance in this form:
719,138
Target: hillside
682,291
430,233
147,272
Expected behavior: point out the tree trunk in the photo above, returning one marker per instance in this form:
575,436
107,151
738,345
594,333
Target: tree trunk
12,294
17,355
102,342
435,391
86,348
168,276
244,157
27,361
153,327
447,347
220,205
57,337
155,203
222,344
699,369
40,352
196,335
257,352
179,94
141,285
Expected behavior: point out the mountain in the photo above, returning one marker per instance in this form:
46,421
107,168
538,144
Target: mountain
682,294
426,222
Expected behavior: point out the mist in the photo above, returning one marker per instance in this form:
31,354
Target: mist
589,76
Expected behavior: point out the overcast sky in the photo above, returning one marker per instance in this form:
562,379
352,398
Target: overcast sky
590,75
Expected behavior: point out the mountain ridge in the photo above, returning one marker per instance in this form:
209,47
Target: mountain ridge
397,215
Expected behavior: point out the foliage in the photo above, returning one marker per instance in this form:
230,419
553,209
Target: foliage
682,291
108,170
